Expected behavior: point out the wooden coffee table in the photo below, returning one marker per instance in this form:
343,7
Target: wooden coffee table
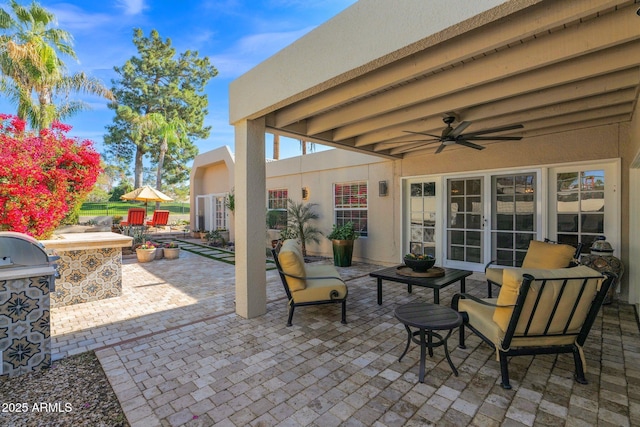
450,276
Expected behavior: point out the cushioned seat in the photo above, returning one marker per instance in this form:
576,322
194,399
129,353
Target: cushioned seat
308,284
537,312
541,255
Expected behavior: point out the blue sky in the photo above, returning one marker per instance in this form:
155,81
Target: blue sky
236,35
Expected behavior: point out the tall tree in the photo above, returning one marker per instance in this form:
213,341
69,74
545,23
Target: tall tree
156,81
34,77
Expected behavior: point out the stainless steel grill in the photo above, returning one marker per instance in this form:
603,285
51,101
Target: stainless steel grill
27,276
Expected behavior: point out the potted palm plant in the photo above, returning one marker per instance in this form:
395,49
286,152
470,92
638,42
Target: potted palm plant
342,238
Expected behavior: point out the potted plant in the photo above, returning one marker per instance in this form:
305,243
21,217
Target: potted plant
216,238
171,250
342,237
418,262
159,250
146,252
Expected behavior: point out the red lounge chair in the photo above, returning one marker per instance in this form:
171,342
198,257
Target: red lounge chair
160,219
135,217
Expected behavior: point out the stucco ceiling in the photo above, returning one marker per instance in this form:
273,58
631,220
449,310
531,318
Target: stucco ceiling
553,67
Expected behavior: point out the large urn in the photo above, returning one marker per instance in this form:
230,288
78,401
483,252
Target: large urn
601,259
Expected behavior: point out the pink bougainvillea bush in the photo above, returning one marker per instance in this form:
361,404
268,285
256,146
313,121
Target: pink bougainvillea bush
42,176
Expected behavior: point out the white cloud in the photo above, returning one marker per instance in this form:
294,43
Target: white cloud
253,49
132,7
72,18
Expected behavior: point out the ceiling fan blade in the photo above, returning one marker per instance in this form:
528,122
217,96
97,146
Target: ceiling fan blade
422,133
411,147
440,148
492,138
459,129
492,130
469,144
430,141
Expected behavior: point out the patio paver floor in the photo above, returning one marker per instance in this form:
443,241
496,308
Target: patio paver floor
176,354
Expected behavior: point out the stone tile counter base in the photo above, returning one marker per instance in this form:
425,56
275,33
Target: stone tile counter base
25,338
88,275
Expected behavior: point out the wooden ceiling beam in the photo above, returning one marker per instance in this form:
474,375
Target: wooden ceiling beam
416,117
595,35
579,69
536,20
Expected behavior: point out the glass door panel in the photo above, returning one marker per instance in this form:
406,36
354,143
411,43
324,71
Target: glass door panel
580,207
422,204
465,223
513,217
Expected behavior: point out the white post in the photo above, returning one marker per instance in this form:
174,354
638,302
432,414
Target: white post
250,190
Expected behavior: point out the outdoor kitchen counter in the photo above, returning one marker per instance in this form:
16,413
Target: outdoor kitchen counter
83,241
90,266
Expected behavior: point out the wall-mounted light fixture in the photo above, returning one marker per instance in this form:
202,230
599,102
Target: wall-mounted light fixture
305,193
382,188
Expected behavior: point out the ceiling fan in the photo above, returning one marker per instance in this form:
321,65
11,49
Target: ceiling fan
451,136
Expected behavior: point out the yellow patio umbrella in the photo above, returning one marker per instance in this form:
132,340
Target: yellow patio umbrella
146,194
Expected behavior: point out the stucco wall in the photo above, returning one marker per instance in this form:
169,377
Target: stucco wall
580,145
318,172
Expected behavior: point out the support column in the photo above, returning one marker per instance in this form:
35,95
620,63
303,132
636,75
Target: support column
250,190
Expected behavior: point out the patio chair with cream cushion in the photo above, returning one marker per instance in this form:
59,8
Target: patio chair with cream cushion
540,255
307,284
537,312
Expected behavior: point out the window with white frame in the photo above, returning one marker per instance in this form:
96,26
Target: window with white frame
351,204
277,208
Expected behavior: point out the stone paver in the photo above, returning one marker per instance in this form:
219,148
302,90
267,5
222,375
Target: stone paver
176,354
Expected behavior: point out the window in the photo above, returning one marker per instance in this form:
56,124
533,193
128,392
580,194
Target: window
422,205
221,213
350,204
277,208
513,217
580,206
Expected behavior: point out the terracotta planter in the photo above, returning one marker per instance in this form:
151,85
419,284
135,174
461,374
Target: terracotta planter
171,253
146,255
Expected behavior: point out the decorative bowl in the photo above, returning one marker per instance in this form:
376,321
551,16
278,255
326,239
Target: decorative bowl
419,263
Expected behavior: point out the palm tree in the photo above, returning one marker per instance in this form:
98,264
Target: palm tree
31,67
298,217
172,132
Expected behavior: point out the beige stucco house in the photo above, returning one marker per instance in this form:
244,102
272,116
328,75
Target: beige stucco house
567,71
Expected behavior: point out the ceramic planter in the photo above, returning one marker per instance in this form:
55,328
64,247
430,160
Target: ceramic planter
171,253
146,255
342,252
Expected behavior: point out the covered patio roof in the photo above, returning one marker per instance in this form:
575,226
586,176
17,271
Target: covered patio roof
378,69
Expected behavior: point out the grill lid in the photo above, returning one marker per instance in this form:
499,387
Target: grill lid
17,249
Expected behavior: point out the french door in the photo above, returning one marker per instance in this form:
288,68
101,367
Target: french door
466,221
491,217
211,212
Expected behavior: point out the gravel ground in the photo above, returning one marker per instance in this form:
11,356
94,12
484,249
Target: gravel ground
73,392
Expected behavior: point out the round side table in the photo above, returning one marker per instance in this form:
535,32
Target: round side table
427,318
